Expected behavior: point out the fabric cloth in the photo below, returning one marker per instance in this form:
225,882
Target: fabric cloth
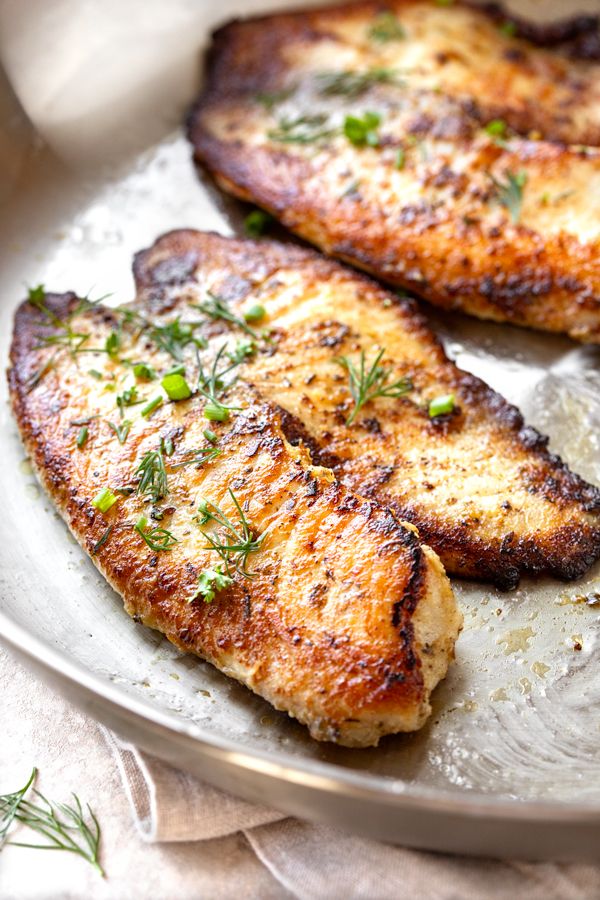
314,862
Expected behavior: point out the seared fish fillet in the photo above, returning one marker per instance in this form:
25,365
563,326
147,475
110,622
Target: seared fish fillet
479,484
336,613
398,136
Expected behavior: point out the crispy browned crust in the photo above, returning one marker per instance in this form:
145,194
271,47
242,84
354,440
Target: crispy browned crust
435,227
348,622
440,475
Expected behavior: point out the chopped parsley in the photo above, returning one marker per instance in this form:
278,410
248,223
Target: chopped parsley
362,131
210,582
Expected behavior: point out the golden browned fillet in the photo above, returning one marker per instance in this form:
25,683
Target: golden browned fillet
478,483
347,622
413,188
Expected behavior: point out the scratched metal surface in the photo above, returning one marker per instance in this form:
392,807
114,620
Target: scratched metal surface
518,718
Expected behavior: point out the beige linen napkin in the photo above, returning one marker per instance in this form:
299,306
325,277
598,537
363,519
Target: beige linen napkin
315,862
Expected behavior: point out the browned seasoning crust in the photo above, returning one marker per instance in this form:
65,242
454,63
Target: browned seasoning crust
349,622
480,485
435,226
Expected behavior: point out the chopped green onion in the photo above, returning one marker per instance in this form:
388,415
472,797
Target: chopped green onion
152,406
82,436
95,374
112,343
509,29
176,370
400,158
143,370
215,412
176,387
257,222
104,500
210,436
254,313
496,128
441,406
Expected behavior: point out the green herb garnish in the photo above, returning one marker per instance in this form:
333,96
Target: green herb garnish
257,223
508,28
442,406
144,371
217,308
236,542
152,476
347,83
176,387
152,407
241,351
363,131
157,538
175,337
368,383
100,543
400,158
269,99
104,500
82,436
210,582
121,430
496,128
200,456
302,130
63,826
129,397
385,28
112,343
211,386
509,193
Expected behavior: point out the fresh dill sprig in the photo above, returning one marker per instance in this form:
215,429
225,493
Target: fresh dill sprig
121,430
269,99
348,83
211,386
198,457
209,583
302,130
64,827
175,337
385,28
509,193
129,397
236,541
216,308
368,383
152,475
156,538
241,351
